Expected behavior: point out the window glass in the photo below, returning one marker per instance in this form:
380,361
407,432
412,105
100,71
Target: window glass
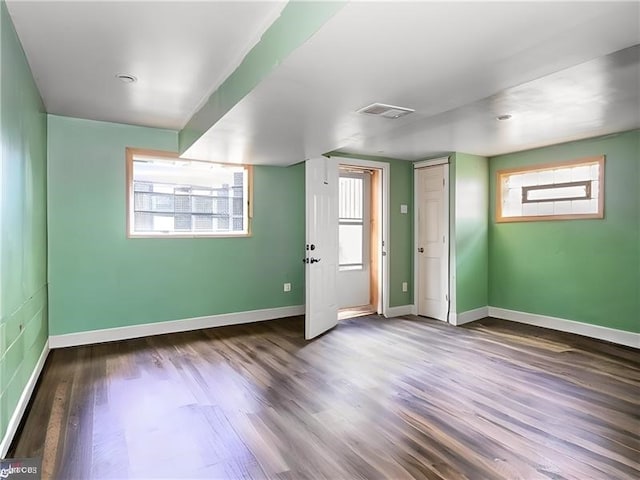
351,222
563,191
171,196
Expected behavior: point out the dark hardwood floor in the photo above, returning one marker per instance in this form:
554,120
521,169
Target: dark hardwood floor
374,398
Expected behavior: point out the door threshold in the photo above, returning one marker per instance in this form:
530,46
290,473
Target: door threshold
359,311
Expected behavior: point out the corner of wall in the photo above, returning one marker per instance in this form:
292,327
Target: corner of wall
470,197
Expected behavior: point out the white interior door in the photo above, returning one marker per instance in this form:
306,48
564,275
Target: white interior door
321,249
432,242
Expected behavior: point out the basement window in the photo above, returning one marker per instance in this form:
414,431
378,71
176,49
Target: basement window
560,191
173,197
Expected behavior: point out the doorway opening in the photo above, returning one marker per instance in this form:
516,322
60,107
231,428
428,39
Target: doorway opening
360,244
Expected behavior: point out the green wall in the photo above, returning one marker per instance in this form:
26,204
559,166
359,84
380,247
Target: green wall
23,252
582,270
400,248
469,179
101,279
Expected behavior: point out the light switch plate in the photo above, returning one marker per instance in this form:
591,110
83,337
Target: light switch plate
403,208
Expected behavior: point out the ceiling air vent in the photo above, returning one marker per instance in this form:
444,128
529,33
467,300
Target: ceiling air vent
386,111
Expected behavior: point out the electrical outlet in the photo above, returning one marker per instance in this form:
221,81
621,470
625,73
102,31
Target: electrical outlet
287,287
405,287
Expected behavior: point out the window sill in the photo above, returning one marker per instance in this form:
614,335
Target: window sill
189,235
545,218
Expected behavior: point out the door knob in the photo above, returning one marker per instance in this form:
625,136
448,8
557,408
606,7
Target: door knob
310,260
421,250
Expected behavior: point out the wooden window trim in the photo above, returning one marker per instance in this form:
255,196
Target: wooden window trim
132,152
599,160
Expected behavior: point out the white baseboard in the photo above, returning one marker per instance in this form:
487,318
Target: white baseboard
469,316
620,337
23,401
172,326
400,311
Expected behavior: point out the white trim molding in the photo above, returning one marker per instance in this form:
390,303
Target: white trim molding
23,401
431,162
171,326
400,311
620,337
469,316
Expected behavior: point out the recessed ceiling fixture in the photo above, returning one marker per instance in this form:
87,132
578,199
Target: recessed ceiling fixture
504,117
126,78
386,111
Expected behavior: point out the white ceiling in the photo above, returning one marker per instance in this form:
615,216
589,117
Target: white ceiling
550,64
458,65
180,51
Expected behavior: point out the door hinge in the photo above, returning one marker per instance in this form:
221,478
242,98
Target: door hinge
443,183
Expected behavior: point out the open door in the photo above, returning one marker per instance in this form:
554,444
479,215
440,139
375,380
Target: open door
321,249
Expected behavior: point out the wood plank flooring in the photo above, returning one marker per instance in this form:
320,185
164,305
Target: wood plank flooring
372,399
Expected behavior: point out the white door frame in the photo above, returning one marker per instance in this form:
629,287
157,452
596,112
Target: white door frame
448,243
383,275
